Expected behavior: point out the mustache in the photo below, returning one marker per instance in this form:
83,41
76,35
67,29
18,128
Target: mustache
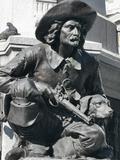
74,38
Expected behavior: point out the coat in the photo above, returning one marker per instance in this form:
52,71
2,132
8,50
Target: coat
25,78
41,63
46,68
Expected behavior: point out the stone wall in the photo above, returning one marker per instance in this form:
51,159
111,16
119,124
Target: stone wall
105,32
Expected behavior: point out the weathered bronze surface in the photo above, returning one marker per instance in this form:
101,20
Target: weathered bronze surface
54,95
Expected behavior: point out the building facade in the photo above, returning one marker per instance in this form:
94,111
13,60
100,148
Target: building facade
113,13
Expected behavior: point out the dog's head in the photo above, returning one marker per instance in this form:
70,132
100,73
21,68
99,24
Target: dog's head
97,106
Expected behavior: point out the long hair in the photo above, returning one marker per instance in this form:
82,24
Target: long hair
53,36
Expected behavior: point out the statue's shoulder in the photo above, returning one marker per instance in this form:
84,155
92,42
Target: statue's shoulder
35,50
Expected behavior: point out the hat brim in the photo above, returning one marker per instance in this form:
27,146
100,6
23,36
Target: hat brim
63,11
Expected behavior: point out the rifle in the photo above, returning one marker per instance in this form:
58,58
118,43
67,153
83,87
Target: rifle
62,98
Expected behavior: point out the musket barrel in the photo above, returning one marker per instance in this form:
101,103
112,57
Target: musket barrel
69,106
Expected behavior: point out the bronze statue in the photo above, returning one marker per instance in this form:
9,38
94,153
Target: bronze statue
45,86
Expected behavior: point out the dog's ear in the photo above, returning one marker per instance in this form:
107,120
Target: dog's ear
84,104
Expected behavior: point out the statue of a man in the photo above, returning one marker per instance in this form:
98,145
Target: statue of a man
30,78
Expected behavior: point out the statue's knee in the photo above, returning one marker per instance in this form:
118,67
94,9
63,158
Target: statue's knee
16,153
93,140
100,137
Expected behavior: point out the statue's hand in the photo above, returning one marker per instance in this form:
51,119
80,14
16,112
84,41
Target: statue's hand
49,94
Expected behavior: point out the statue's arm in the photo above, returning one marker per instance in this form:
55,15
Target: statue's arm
18,67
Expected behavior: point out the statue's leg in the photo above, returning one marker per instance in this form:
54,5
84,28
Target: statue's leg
45,128
64,148
88,140
15,154
38,137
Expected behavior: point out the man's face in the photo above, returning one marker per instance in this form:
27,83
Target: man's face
70,33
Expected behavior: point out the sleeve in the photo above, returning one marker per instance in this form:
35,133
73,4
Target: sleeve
25,88
18,67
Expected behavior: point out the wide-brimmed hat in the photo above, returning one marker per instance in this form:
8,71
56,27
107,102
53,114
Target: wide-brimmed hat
63,11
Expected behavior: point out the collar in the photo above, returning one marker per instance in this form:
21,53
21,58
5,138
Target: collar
75,64
54,59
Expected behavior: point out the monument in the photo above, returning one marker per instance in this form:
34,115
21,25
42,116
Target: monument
54,94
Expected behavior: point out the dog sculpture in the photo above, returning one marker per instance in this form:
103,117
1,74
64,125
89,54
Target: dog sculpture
98,108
